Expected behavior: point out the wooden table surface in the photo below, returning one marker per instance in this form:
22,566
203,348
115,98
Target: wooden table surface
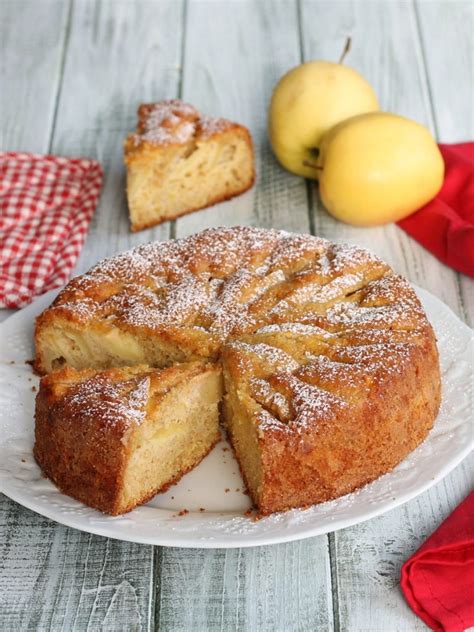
72,74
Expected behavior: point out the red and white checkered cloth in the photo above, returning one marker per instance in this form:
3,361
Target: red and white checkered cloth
46,205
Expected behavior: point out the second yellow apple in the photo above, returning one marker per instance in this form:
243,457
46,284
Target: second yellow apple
378,168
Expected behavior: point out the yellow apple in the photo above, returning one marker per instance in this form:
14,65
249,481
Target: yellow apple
306,103
378,168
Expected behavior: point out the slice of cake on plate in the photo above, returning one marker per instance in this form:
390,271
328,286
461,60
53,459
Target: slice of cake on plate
179,161
113,439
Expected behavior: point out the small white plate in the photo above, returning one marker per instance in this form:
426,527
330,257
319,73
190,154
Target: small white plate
215,484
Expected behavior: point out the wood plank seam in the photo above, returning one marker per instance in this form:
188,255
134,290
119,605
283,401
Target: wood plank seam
184,17
309,185
62,65
435,126
157,552
310,194
334,582
155,618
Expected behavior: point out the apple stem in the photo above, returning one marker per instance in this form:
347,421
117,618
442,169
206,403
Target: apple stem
311,165
347,48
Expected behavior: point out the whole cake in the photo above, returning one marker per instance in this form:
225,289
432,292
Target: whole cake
330,367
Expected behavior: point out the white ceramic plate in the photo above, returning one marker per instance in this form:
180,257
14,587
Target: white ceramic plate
215,485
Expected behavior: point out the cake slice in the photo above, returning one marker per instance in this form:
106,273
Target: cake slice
311,430
113,439
179,161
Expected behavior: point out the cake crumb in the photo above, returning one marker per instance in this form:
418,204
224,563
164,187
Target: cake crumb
33,388
23,460
202,509
183,512
227,489
237,489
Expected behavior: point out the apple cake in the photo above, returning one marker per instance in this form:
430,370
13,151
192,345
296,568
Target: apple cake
330,366
113,439
179,161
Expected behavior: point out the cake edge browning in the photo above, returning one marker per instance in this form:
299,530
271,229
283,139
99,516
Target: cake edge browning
96,478
112,507
298,463
399,429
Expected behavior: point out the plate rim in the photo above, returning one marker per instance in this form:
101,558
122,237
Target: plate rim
229,540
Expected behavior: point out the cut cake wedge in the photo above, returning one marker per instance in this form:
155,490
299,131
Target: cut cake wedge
113,439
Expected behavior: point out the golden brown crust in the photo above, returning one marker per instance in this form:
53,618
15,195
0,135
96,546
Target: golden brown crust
74,452
140,146
357,445
330,351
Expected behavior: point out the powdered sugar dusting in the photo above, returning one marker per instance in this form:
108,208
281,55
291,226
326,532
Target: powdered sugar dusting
210,126
308,405
275,358
226,282
100,399
295,328
175,122
311,402
166,122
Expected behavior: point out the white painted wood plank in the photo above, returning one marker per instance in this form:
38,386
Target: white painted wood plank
55,578
118,54
31,57
30,69
446,30
235,52
270,588
368,557
387,51
451,82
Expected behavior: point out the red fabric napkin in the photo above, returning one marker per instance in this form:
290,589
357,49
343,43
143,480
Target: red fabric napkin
46,205
438,580
445,226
